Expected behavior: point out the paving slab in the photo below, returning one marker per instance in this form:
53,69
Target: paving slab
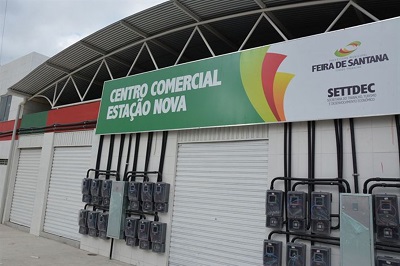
19,248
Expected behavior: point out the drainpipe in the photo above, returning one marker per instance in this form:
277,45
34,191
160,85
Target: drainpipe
10,162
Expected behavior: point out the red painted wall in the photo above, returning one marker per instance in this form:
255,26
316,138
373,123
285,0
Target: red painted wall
74,114
7,126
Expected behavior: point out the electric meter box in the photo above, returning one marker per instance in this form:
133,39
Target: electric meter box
296,205
86,185
96,186
117,212
102,224
320,256
144,229
131,229
387,261
272,254
134,189
92,223
161,192
274,203
274,208
386,217
386,210
83,215
106,192
82,221
296,254
158,247
161,196
147,191
158,232
92,219
95,191
321,206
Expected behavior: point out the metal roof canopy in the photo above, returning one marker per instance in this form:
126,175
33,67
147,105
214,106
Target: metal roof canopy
179,31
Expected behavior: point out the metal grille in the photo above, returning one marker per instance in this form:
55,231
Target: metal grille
218,212
25,187
64,197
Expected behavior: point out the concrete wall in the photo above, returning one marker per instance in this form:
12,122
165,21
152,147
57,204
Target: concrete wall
14,71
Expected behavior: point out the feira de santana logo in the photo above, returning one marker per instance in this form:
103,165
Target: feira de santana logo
348,49
264,85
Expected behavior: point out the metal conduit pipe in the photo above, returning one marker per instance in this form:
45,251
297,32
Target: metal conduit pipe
397,119
99,151
354,155
378,179
329,183
121,150
162,156
345,182
128,155
285,172
136,154
381,185
11,158
302,235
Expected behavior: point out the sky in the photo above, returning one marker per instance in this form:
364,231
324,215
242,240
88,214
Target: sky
49,26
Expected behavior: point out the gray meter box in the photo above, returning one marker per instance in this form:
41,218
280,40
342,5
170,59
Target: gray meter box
116,219
274,208
386,217
272,254
320,256
356,230
297,211
296,254
321,212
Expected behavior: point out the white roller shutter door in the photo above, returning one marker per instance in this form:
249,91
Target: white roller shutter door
25,187
219,206
64,195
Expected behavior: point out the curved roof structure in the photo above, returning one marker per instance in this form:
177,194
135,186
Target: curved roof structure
179,31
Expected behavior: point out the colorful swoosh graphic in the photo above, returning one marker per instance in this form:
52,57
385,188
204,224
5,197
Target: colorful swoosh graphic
349,49
264,85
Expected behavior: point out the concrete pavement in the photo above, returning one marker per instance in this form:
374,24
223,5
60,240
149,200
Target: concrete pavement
18,248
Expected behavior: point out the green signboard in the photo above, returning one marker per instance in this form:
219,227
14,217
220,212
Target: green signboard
205,93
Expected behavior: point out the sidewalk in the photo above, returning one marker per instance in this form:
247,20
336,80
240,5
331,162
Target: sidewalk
22,249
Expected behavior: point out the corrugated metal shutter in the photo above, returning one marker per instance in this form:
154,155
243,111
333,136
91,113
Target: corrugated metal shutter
25,187
64,197
218,213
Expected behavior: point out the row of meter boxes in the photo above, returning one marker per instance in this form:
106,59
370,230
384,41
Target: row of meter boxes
386,213
319,256
296,208
143,196
138,232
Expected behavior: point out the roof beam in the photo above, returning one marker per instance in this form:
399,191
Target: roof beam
208,27
145,35
365,12
274,20
104,53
